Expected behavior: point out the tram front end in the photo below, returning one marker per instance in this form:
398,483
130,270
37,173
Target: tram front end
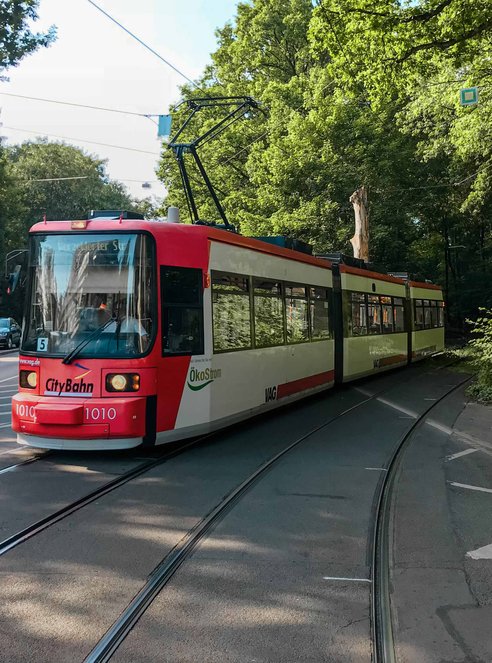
87,380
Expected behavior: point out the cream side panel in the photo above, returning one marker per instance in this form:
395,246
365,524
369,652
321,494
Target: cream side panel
427,341
363,355
426,293
364,284
222,385
237,381
238,260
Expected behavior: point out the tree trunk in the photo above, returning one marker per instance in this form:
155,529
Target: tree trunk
360,240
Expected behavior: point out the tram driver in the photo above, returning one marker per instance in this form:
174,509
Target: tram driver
128,327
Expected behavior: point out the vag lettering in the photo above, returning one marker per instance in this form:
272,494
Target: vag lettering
270,394
69,386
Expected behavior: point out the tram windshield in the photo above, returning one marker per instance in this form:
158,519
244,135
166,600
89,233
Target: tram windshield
84,282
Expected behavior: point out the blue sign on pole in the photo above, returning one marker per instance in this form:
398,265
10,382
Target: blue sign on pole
164,126
469,96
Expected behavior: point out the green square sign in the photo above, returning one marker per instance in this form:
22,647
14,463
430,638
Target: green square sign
469,96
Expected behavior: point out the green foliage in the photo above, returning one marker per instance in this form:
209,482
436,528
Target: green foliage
360,92
481,346
16,37
30,197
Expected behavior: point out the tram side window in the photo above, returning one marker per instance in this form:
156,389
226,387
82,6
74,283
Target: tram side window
269,313
387,315
231,312
435,313
358,310
374,314
440,313
419,315
320,313
429,314
182,310
398,314
297,313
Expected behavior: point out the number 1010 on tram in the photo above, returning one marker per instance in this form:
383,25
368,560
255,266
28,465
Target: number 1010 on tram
143,332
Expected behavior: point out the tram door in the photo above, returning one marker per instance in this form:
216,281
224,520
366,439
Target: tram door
337,312
182,311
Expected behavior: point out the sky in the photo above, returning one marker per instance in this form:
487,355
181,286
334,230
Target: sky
94,62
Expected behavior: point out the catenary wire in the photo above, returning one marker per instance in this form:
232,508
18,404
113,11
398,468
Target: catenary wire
81,140
68,103
142,43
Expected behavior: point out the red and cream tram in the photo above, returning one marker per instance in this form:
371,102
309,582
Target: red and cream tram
143,332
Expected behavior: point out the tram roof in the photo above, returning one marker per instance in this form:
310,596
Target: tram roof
420,284
177,231
357,271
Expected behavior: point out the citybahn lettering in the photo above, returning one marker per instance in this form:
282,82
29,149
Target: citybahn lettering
69,386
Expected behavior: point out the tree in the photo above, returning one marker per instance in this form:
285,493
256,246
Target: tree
16,37
358,93
414,58
35,166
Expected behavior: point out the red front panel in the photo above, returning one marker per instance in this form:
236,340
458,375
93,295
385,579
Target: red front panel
78,418
71,401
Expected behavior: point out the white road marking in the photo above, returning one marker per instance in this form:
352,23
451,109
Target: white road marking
398,407
5,425
465,437
363,391
377,469
349,579
481,553
10,451
441,427
461,453
14,377
465,485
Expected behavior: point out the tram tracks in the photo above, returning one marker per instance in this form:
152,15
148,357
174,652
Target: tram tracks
28,461
31,530
381,615
35,528
164,571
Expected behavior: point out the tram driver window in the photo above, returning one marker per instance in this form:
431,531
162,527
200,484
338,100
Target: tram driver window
182,310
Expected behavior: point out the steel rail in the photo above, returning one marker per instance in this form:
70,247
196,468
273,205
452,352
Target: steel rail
164,571
35,528
28,461
31,530
381,618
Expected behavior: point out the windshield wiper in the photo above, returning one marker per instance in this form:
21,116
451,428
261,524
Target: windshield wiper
73,353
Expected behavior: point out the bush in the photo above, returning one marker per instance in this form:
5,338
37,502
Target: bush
481,347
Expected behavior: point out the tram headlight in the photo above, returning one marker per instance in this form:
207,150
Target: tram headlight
122,382
28,379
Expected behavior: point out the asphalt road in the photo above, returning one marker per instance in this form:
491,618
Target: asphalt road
283,577
8,387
